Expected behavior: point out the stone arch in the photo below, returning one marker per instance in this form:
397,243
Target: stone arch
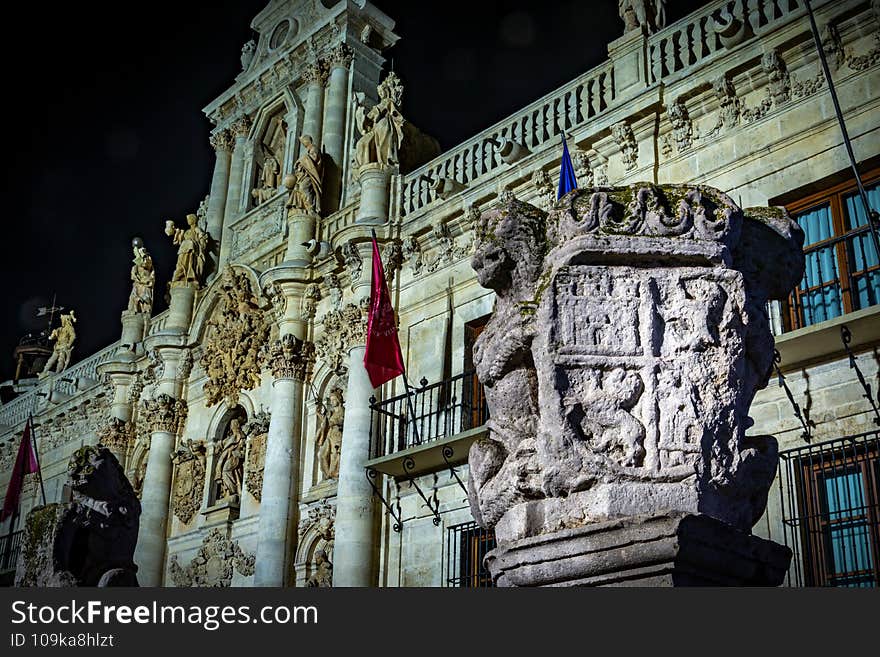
269,153
217,429
325,380
316,533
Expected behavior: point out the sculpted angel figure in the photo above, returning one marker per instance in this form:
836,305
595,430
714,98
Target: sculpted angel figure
228,470
64,337
306,182
143,279
329,438
193,247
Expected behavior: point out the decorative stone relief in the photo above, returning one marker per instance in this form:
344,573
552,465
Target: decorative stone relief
289,357
626,141
582,171
189,479
543,184
342,329
213,564
341,56
257,431
351,257
310,299
777,74
444,252
412,252
392,258
729,105
185,366
611,387
247,54
328,437
140,474
320,524
259,226
236,335
164,413
682,128
117,435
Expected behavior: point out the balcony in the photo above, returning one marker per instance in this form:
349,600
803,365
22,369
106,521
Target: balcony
10,547
432,431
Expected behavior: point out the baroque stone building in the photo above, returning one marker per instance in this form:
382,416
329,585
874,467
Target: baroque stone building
243,415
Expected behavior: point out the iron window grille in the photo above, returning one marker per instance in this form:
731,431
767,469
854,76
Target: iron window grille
467,545
830,500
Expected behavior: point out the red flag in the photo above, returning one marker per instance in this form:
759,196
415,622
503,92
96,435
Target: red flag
382,360
25,463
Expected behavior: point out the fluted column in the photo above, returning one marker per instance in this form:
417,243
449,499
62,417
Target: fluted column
313,117
222,141
240,130
333,140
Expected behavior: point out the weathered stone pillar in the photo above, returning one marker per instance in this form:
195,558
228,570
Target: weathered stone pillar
375,189
315,75
628,339
333,140
240,130
223,143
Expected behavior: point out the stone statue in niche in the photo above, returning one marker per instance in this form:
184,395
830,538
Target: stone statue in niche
192,243
329,437
64,337
306,182
381,127
268,180
229,464
143,279
633,396
322,577
646,15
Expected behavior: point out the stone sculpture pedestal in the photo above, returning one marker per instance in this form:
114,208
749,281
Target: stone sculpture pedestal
670,549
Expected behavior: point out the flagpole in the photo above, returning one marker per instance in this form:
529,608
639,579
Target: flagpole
37,457
406,386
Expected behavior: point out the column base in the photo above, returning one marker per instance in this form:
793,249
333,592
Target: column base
671,549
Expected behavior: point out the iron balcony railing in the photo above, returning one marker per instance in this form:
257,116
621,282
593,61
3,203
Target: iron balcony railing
10,546
438,410
830,503
466,547
825,292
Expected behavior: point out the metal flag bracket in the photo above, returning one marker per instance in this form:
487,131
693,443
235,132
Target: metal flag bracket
398,522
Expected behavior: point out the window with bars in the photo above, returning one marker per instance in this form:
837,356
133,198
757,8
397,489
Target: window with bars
467,545
830,495
842,266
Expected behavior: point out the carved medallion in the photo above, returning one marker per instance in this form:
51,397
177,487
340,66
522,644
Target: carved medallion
189,479
214,563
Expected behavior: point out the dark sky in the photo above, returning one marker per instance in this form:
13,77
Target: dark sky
105,139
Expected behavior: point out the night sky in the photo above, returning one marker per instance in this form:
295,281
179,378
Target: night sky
105,138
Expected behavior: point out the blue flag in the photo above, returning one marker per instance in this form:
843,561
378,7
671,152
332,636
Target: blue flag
567,181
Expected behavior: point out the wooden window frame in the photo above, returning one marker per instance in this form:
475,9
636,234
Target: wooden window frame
833,196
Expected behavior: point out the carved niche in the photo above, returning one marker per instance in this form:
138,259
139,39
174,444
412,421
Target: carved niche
269,160
214,563
229,450
189,479
236,335
257,431
328,439
317,530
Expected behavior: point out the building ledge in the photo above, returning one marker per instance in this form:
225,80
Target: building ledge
821,342
428,457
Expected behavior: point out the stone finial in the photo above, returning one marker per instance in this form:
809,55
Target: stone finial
289,358
628,339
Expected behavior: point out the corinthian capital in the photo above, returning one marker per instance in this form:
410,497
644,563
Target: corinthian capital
289,357
116,434
164,413
242,126
340,56
222,140
315,72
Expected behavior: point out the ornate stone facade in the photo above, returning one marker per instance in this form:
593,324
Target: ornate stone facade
214,563
237,334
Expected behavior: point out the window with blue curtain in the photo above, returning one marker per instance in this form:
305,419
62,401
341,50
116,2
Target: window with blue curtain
848,530
842,271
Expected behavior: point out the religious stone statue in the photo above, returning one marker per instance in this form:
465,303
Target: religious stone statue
143,279
268,181
64,337
228,468
646,15
329,438
192,250
323,575
306,182
382,126
248,51
628,339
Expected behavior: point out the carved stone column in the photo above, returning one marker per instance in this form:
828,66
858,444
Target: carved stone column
315,76
240,130
333,139
289,359
223,143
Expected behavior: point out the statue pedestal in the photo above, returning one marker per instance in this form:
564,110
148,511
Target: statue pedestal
374,179
629,57
132,331
225,510
183,294
671,549
300,231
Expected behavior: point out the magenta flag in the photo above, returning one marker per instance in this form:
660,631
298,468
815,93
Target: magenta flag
25,463
383,359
